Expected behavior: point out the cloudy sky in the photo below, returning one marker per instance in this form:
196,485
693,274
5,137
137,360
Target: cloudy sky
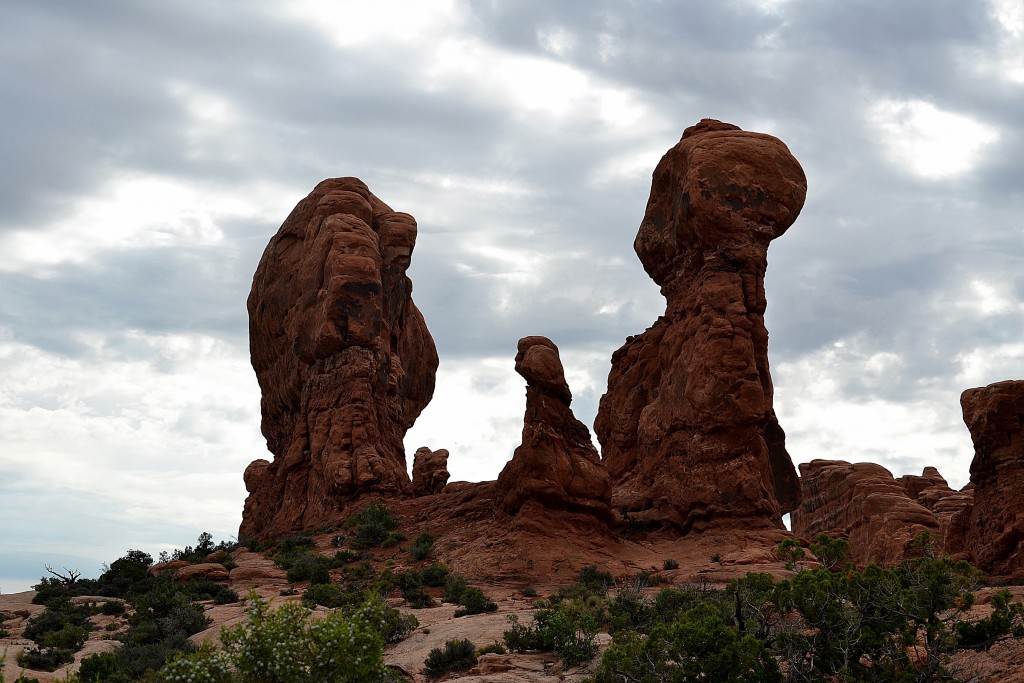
149,150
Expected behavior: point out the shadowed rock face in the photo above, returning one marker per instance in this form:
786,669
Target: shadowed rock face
864,503
687,428
557,465
991,531
343,358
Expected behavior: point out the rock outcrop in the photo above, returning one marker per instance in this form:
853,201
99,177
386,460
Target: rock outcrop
863,503
342,355
429,471
687,426
991,531
556,465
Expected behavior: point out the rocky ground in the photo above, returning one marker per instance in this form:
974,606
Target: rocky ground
254,571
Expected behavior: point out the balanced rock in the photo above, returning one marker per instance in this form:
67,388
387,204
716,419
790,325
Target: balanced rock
991,530
556,465
342,355
429,471
863,503
687,427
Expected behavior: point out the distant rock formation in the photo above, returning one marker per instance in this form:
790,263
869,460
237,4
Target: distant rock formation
342,355
429,471
687,427
556,465
991,531
863,503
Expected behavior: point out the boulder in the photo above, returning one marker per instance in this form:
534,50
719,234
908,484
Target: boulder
210,571
863,503
169,566
687,426
991,530
342,355
556,465
429,471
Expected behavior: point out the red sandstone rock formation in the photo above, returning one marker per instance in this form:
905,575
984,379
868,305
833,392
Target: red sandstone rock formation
429,471
932,492
865,504
687,427
342,355
991,531
556,465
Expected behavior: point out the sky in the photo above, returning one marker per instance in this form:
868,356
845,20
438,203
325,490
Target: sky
149,150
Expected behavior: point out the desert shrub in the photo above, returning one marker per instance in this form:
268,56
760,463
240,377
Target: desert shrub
457,655
831,552
528,592
422,547
373,524
112,608
630,610
669,564
45,658
454,587
493,648
571,635
594,579
698,646
312,568
343,557
359,572
435,575
392,539
99,668
285,645
474,601
202,589
791,552
408,578
127,574
417,598
225,596
339,540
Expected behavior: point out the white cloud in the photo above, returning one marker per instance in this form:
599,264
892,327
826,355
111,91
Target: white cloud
927,141
138,211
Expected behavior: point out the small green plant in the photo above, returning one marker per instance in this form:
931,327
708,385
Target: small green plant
457,655
716,558
669,564
435,575
474,601
454,587
422,547
528,592
493,648
373,524
791,552
225,596
392,539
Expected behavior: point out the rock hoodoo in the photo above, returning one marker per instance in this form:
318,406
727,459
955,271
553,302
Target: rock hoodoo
991,530
429,471
556,465
687,426
342,355
864,503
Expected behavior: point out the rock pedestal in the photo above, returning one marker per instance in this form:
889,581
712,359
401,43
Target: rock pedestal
556,465
342,355
687,427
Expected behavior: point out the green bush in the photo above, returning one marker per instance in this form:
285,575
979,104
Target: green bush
417,598
422,547
698,646
373,524
493,648
285,646
474,601
99,668
568,632
457,655
669,564
112,608
594,579
45,658
225,596
454,587
435,575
